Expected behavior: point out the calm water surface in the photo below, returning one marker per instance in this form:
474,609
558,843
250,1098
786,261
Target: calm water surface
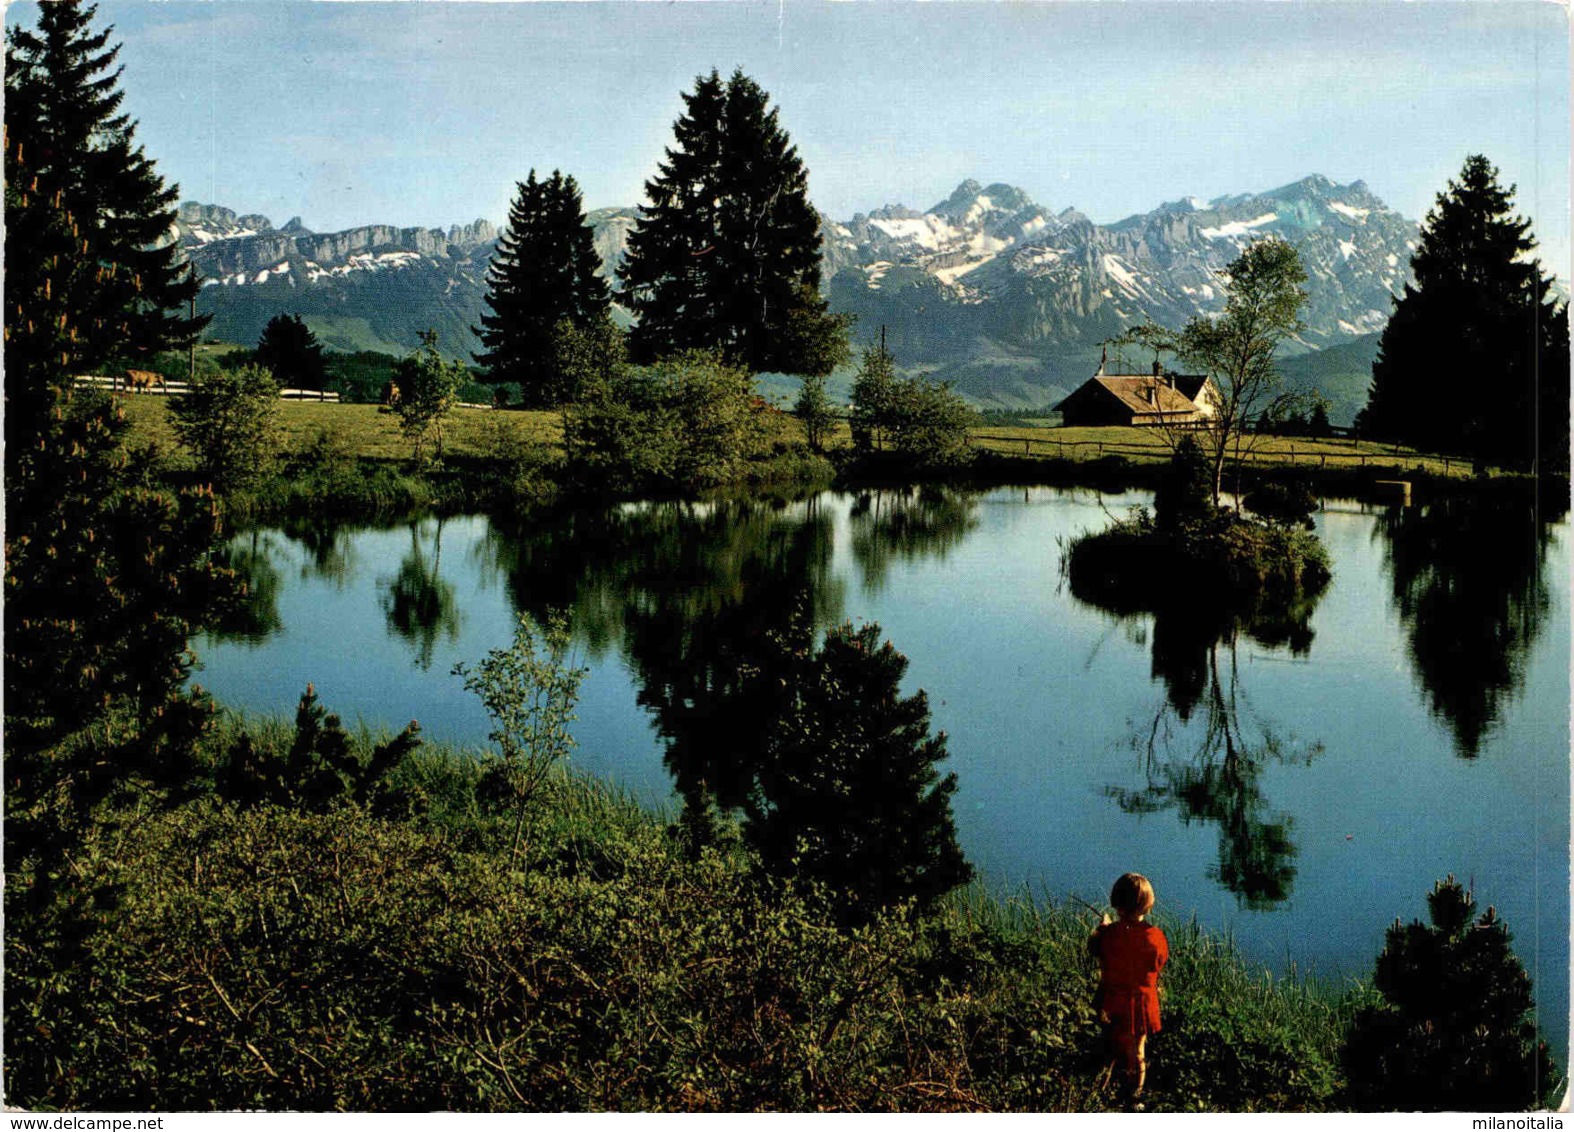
1297,782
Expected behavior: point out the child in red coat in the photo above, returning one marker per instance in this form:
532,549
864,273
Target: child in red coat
1131,954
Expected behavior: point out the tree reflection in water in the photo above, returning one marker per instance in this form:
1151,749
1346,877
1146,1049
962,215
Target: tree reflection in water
701,599
256,556
253,616
692,594
905,525
1468,587
1211,770
329,545
419,605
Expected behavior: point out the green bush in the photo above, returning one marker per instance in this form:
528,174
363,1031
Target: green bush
321,768
1185,493
682,425
229,421
1226,558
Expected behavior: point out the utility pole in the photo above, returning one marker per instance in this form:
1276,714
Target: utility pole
192,354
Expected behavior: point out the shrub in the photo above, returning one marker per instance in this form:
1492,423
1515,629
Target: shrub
924,421
321,768
1185,494
428,390
813,408
529,689
689,423
1284,503
521,471
229,421
927,422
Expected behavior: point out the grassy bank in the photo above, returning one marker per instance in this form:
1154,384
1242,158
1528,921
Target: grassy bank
350,460
367,432
1147,446
368,956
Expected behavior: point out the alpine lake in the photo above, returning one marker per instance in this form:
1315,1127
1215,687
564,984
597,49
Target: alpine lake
1296,782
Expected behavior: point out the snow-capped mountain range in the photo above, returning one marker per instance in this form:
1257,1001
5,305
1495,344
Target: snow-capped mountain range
1005,297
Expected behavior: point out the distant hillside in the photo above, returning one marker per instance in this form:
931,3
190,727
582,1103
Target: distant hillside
1341,373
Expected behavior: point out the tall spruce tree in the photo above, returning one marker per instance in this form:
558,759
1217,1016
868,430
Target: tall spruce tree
543,273
1475,359
69,143
726,254
107,574
290,351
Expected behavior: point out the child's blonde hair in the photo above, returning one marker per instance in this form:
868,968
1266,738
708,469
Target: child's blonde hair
1132,894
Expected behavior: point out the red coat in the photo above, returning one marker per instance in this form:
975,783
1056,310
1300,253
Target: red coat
1131,955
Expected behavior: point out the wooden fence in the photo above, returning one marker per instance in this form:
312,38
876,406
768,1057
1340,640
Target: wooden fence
1316,453
118,383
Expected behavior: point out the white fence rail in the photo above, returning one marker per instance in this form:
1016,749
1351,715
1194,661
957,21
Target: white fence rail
121,384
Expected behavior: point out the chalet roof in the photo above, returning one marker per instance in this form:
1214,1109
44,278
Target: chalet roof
1144,393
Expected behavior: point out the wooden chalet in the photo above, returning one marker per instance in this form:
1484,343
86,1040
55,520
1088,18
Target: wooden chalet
1141,399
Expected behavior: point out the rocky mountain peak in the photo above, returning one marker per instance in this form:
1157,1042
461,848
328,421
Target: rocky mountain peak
477,232
971,200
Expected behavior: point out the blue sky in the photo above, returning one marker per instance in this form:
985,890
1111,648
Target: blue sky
427,113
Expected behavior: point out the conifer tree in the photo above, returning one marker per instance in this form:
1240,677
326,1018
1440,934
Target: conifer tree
813,410
543,273
105,577
726,254
667,276
69,143
1456,1028
290,351
1475,359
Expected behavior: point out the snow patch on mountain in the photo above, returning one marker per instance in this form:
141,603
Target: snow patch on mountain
926,231
203,235
1236,229
1122,276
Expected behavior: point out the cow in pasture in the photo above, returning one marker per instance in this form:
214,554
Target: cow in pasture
143,380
